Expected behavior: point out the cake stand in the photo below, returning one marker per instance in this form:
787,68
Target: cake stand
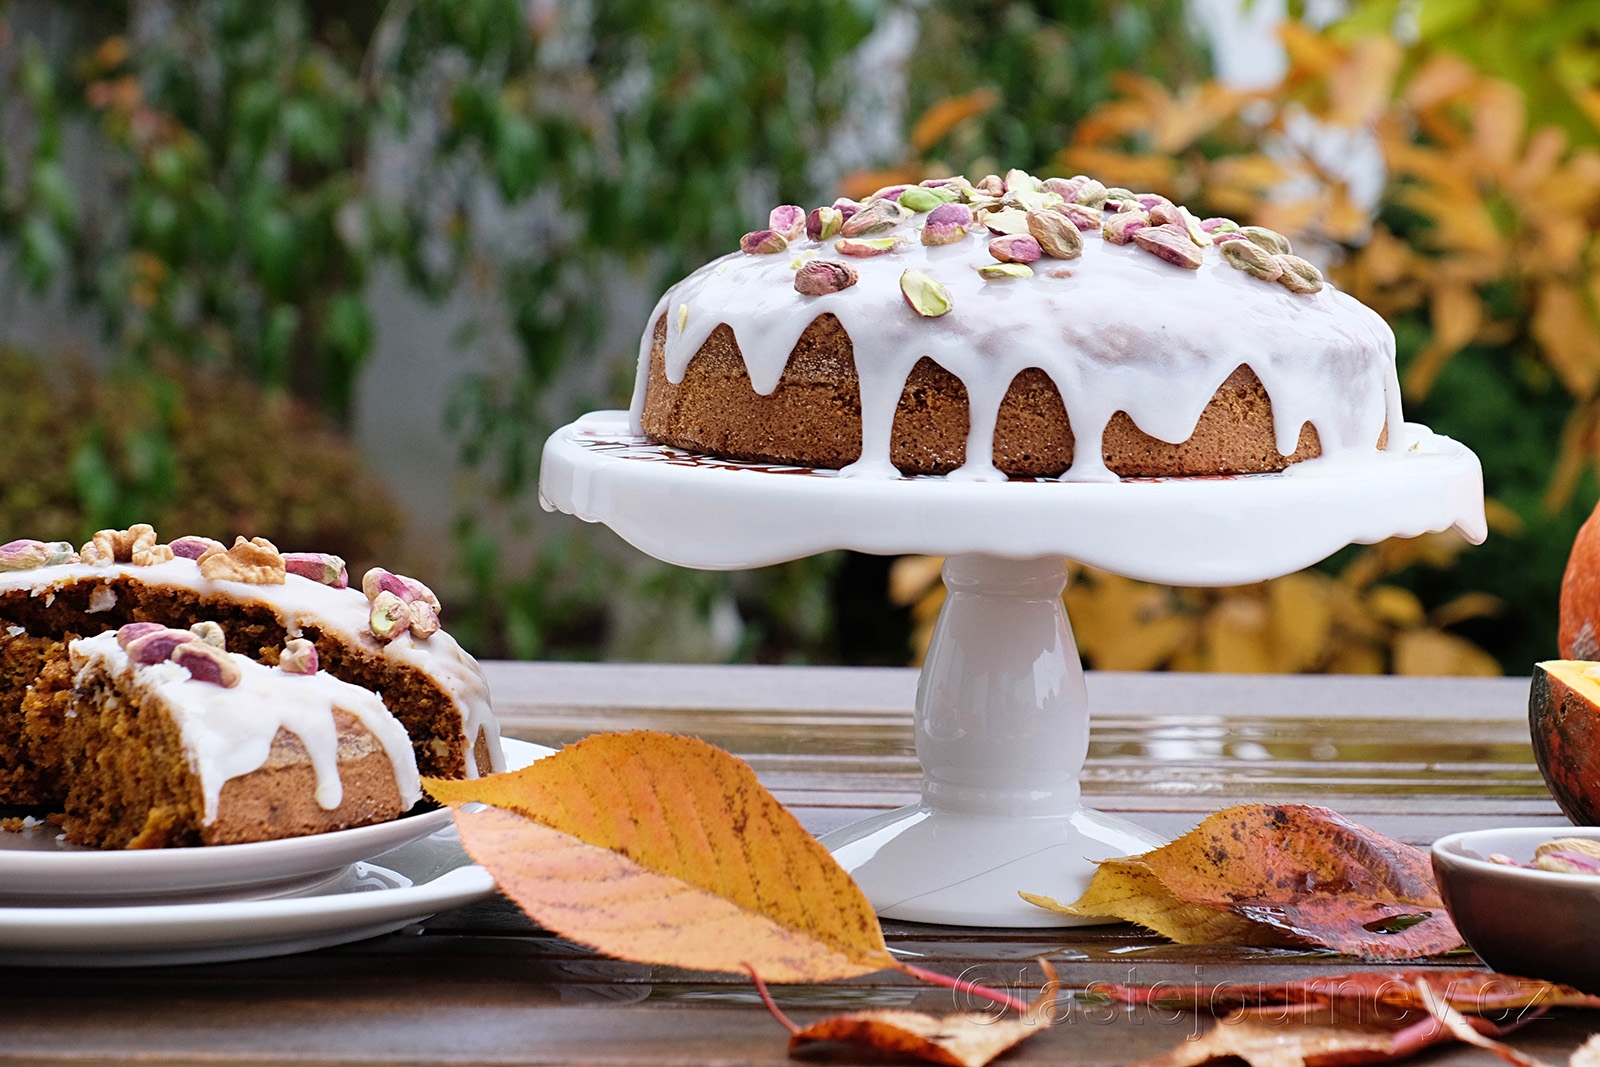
1002,717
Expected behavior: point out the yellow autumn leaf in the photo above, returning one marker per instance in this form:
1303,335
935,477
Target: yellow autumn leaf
1360,84
1457,313
663,849
1566,335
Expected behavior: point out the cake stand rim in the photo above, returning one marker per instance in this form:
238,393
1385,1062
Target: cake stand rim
712,515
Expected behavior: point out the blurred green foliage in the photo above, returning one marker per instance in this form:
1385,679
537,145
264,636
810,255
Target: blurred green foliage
256,161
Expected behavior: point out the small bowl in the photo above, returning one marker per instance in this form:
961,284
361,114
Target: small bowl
1534,924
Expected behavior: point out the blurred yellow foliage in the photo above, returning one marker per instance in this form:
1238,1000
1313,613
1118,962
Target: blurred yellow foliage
1310,621
1500,249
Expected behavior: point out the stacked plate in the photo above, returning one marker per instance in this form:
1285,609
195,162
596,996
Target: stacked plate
71,907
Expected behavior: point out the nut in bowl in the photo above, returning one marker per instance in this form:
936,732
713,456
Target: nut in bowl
1520,919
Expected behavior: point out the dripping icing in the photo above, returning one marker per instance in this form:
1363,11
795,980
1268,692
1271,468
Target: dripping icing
228,733
1116,329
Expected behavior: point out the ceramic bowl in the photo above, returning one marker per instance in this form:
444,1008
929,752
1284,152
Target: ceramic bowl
1536,924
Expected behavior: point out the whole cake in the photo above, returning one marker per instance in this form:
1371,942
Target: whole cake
1015,327
384,638
169,740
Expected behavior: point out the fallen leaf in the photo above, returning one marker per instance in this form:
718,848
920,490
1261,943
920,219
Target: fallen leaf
962,1040
1277,875
1476,992
1324,1035
1470,1031
664,849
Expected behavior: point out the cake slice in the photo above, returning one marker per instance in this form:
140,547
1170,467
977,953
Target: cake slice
165,739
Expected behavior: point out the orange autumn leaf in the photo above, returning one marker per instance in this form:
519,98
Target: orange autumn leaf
1277,875
664,849
1339,1034
1476,992
947,114
963,1040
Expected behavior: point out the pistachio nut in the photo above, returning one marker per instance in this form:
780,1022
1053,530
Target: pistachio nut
1091,193
1015,248
156,646
1216,224
947,224
847,207
1058,237
1066,188
390,617
1084,218
1271,240
888,192
321,567
377,581
424,620
1005,221
206,664
23,555
992,184
299,656
1020,180
994,272
919,200
762,243
876,218
787,221
1117,192
1563,861
1251,258
861,247
1163,213
1029,199
1171,243
1197,234
1119,228
135,630
1223,236
210,632
1299,275
192,547
1150,201
924,295
823,276
823,223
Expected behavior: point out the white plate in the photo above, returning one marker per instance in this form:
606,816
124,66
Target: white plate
37,867
371,898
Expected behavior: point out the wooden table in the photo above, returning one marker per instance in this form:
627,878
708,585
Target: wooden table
1414,758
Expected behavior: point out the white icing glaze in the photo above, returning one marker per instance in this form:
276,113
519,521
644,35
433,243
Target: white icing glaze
300,603
1116,329
227,733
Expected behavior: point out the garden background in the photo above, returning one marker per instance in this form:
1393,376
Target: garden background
330,272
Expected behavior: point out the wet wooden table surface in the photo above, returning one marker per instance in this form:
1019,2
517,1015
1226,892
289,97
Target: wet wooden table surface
1414,758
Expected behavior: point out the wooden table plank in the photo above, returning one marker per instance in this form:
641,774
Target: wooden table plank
1411,757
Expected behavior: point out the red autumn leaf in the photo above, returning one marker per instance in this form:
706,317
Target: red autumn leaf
961,1040
1339,1034
1474,992
1287,875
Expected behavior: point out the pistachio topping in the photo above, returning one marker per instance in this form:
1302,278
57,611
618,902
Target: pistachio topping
762,243
1299,275
995,272
1091,193
1251,258
1171,243
1271,240
823,276
787,221
1005,221
1015,248
1119,228
865,246
1056,234
823,223
875,218
924,295
947,224
920,200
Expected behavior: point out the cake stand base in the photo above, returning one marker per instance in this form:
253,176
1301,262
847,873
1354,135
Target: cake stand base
1002,729
928,866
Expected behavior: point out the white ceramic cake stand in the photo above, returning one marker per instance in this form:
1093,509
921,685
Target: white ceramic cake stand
1002,717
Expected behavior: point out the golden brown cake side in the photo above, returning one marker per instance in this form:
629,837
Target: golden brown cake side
813,418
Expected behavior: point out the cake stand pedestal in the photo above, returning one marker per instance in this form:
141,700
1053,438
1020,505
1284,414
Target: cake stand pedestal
1002,716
